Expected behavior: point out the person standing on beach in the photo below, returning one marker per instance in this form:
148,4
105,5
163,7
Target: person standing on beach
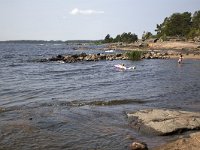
180,58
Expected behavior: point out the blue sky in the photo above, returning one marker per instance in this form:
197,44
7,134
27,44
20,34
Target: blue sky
84,19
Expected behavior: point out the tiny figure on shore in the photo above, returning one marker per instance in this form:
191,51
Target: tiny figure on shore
180,58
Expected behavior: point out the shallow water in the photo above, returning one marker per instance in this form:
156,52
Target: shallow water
50,105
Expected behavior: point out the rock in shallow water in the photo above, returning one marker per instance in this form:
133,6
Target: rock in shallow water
164,122
138,146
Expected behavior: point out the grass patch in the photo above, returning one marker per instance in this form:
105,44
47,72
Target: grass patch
134,55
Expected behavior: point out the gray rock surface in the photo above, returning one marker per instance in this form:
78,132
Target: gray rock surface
164,122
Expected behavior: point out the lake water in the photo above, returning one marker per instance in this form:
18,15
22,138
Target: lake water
51,105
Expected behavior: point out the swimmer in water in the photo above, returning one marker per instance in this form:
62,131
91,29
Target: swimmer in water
180,58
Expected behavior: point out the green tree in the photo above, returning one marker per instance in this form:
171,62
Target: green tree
118,38
124,37
196,20
108,39
128,37
146,35
195,29
178,24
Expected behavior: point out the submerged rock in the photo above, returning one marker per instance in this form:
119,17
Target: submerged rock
2,109
164,122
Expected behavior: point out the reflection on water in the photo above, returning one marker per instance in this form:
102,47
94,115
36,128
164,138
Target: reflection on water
51,105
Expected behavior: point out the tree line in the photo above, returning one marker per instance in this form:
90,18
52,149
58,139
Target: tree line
124,37
180,25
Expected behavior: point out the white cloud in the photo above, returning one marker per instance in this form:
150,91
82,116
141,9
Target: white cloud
77,11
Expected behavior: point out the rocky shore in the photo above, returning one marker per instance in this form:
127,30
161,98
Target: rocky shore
168,122
191,142
99,56
171,48
87,57
150,54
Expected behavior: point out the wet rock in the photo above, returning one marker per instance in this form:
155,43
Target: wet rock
60,57
75,56
164,122
118,55
186,143
138,146
103,57
57,58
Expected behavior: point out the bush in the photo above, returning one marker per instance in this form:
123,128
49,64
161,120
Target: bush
134,55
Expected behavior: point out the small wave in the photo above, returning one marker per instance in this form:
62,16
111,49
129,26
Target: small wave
95,103
117,102
9,56
15,64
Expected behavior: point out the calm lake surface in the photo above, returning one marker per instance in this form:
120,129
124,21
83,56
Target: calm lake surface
51,105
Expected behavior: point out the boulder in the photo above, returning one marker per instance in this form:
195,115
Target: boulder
87,58
164,122
147,56
94,57
57,58
69,59
103,57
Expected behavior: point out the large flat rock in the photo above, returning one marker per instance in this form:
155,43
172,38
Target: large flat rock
164,122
